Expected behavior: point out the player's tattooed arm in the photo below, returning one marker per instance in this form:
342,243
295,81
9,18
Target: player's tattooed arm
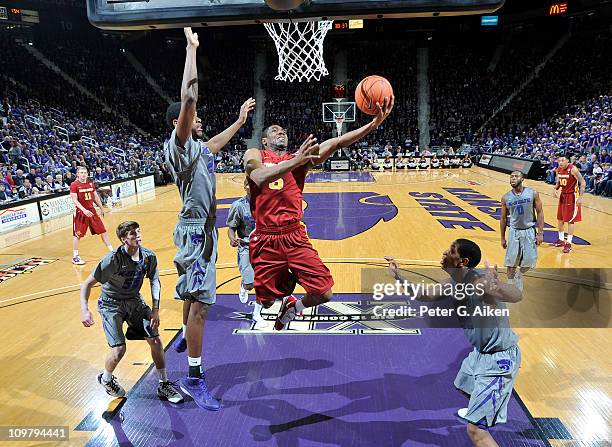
503,223
539,209
189,89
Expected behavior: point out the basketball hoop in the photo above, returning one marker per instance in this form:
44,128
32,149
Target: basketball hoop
300,49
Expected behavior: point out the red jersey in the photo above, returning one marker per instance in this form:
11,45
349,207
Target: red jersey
85,193
279,203
569,183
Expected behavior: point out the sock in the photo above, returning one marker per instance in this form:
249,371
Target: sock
299,307
110,247
75,253
194,366
257,311
569,238
184,331
561,235
107,376
163,375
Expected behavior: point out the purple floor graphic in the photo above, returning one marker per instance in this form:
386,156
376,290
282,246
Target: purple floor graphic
335,215
325,385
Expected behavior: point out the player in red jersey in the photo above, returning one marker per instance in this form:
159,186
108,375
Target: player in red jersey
280,251
83,194
572,186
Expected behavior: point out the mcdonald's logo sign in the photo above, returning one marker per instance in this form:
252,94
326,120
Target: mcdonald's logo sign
557,9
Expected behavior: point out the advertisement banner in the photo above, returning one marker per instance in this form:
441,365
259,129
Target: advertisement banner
56,207
123,189
145,183
18,216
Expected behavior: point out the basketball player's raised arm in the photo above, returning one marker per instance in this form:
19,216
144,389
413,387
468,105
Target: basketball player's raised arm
494,289
422,294
218,142
539,210
328,147
262,175
189,89
503,222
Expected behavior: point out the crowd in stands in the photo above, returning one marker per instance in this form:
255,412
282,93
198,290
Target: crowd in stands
224,85
396,61
471,76
36,159
398,159
563,110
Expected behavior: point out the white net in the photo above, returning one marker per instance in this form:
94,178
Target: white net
300,49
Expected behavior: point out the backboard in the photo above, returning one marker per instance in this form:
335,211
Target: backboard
334,110
155,14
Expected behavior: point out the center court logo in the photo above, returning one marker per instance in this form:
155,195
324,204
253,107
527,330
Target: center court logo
335,318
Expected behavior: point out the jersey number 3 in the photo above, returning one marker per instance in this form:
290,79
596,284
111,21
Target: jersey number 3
278,184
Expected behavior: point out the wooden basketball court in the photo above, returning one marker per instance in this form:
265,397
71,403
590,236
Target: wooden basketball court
50,361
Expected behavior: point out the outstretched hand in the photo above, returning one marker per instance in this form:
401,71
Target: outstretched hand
245,108
490,279
308,151
384,110
192,38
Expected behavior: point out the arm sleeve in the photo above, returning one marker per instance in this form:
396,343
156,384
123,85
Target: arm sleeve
155,287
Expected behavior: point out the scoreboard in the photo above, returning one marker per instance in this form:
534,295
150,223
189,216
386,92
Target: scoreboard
19,15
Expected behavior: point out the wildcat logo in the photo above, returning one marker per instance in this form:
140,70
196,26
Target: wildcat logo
335,216
333,318
25,266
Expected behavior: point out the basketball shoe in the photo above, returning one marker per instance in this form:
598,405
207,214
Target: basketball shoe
77,260
181,346
243,294
567,247
197,389
167,391
558,243
518,280
112,388
286,313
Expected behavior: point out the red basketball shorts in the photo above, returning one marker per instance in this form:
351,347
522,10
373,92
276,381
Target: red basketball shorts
568,210
274,254
80,224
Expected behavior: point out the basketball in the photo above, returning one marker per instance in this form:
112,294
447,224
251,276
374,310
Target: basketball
371,90
284,5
